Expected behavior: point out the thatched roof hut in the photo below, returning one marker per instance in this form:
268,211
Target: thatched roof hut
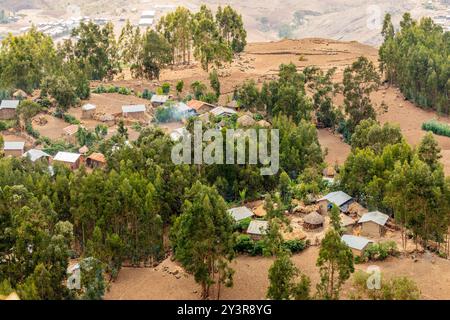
329,172
313,221
246,121
263,123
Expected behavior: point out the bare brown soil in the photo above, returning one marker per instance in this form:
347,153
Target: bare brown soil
251,278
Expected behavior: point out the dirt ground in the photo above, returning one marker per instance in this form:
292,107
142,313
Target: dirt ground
251,278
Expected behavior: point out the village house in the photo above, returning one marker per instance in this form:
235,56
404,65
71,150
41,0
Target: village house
158,100
347,223
69,159
339,198
96,160
240,213
313,221
233,104
8,109
245,121
134,111
357,244
222,112
373,224
36,154
70,133
19,94
200,107
177,134
87,111
257,229
184,110
13,148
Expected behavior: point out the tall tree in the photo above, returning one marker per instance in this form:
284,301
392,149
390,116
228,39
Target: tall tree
202,238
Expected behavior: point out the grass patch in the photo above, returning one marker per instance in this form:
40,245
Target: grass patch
439,128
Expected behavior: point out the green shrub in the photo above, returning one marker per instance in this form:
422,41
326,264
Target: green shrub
244,244
380,251
2,126
295,246
165,88
70,119
30,130
439,128
124,91
242,225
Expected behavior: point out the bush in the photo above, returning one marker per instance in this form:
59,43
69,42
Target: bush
165,88
147,94
70,119
124,91
242,225
244,244
30,130
439,128
295,246
380,251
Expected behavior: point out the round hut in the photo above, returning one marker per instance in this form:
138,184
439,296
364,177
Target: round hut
313,221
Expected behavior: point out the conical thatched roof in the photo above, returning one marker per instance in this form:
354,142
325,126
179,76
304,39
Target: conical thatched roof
314,218
246,121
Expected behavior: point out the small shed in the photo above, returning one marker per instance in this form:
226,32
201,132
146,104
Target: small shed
240,213
14,148
339,198
70,133
233,104
257,228
69,159
313,221
357,244
96,160
347,223
158,100
20,94
87,111
200,107
373,224
222,112
36,154
8,109
83,150
134,111
246,121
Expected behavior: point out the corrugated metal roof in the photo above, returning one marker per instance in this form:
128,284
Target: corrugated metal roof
240,213
13,145
67,157
258,227
133,108
197,104
88,107
159,98
183,107
35,154
375,216
145,21
9,104
338,198
218,111
177,134
355,242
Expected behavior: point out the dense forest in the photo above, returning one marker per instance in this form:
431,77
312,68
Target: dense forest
142,207
416,58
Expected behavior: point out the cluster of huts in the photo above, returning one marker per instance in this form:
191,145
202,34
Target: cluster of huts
359,226
69,159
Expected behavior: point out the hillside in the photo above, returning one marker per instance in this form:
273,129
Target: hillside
265,20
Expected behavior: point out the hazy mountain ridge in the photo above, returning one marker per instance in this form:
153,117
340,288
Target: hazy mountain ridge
265,20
